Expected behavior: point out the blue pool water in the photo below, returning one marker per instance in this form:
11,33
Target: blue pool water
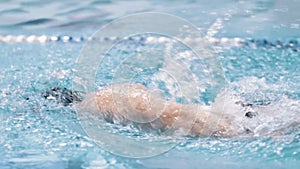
36,133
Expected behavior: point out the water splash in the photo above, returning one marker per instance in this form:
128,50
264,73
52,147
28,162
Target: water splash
262,108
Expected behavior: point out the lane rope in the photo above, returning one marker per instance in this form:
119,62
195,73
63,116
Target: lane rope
293,44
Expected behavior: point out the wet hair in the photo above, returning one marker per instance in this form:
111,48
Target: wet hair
62,95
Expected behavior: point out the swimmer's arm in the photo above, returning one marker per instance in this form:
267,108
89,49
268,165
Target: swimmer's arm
116,100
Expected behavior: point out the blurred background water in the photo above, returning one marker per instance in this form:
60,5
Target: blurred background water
259,18
35,133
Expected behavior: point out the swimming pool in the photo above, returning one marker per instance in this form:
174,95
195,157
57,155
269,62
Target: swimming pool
36,133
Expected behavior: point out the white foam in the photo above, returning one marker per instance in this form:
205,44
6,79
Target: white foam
274,118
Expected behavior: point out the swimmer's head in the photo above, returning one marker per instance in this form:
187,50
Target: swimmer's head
62,95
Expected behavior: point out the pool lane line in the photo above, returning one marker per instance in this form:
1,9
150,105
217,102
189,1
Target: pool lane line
293,44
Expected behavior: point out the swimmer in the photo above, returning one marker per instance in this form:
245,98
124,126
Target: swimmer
135,102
